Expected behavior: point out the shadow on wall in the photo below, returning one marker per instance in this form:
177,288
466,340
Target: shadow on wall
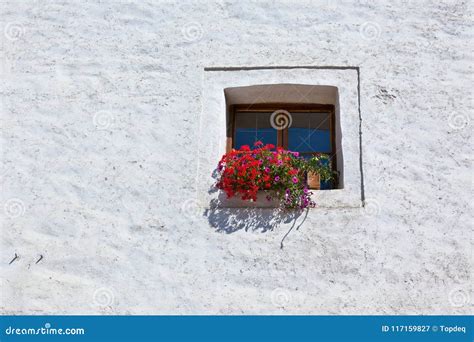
230,220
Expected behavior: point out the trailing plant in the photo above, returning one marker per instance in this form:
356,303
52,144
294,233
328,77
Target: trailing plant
279,173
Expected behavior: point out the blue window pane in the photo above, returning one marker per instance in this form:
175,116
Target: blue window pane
254,126
309,140
248,136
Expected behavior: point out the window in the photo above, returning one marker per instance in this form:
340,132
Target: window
305,128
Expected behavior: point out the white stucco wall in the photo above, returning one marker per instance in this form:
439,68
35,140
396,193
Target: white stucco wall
101,104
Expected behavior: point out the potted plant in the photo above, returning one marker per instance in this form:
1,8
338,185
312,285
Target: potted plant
279,173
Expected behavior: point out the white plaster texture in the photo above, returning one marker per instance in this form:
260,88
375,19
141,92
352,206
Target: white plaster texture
101,104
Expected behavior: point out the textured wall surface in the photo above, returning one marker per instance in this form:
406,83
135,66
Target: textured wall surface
100,108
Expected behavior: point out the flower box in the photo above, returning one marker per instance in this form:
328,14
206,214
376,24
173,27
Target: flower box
280,174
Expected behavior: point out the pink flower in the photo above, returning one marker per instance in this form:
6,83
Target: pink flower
295,180
277,178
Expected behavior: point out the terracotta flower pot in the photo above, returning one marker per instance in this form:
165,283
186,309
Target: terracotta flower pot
314,181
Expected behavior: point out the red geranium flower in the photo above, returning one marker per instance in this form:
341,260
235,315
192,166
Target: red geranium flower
245,172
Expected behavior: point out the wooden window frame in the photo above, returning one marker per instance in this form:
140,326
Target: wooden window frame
282,135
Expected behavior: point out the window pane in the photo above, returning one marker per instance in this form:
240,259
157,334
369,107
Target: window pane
253,126
310,132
